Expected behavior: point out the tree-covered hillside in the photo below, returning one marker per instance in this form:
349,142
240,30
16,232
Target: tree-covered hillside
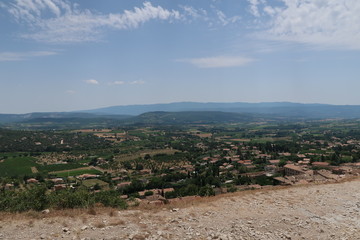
40,141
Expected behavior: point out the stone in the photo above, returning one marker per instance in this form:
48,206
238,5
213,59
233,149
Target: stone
83,228
46,211
174,210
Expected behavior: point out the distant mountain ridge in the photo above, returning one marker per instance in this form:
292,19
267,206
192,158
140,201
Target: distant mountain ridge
133,113
190,106
192,117
284,109
9,118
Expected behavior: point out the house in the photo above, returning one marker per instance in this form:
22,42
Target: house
123,184
58,187
57,180
282,181
116,179
320,164
145,171
32,180
285,154
87,176
291,169
9,186
274,162
250,166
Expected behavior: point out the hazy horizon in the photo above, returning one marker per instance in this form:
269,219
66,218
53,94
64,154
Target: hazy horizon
60,55
169,103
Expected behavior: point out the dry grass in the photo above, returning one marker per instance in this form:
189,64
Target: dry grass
50,222
135,214
99,225
31,223
34,215
192,214
142,226
113,213
139,237
117,222
91,211
84,219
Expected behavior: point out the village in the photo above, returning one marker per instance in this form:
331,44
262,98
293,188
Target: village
157,166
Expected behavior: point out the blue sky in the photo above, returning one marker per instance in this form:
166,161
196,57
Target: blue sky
61,55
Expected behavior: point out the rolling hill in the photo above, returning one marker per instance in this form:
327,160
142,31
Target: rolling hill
179,113
283,109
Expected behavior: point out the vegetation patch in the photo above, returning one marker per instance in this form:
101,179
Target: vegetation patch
95,182
77,172
37,198
17,166
60,167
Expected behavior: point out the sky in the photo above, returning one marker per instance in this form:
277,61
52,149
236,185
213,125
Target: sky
62,55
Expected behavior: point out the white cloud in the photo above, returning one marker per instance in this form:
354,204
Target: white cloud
91,81
60,21
254,10
140,82
118,83
194,13
324,24
219,61
20,56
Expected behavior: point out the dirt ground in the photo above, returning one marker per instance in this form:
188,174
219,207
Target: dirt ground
329,211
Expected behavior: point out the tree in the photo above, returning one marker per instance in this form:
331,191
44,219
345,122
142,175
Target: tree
282,163
206,191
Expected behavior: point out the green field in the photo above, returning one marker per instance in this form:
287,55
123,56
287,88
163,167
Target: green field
77,172
17,166
59,167
93,182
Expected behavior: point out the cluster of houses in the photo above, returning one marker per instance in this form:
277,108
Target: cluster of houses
230,158
299,172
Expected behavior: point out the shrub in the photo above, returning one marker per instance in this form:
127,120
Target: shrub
206,191
149,193
37,198
232,189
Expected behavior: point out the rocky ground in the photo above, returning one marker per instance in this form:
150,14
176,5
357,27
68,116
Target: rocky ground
330,211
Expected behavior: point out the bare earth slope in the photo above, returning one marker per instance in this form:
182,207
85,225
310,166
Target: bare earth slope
330,211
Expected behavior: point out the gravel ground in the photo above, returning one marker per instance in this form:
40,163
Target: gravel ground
330,211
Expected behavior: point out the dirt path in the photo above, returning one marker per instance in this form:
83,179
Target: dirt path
330,211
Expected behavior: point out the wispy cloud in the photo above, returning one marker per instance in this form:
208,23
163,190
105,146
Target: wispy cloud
91,81
214,17
70,92
254,9
20,56
139,82
225,20
117,83
60,21
218,62
324,24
